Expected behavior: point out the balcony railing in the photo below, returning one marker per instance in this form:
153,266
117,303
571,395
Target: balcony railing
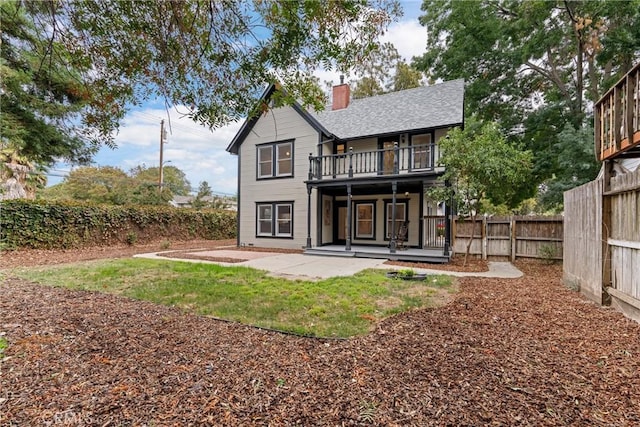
617,117
387,161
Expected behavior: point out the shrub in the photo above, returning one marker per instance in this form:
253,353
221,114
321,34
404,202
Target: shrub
131,238
548,253
44,224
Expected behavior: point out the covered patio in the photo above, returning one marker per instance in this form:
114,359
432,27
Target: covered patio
435,255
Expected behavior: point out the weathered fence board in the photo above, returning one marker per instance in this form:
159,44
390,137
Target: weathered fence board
624,237
582,261
602,241
511,237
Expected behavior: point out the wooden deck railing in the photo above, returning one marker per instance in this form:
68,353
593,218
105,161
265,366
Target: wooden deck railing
617,117
390,161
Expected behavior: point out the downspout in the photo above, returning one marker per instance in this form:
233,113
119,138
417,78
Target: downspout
238,204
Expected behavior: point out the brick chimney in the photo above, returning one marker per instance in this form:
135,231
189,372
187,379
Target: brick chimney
341,95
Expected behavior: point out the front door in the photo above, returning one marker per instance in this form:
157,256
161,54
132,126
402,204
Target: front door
340,230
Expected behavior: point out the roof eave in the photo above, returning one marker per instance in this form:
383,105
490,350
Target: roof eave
395,132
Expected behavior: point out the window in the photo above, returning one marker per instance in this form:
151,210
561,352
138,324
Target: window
265,220
265,161
421,151
283,220
275,160
401,217
275,219
364,220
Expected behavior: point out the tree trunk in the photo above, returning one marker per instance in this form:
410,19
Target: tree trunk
13,186
473,229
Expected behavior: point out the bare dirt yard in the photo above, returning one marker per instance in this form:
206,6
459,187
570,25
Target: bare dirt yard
504,352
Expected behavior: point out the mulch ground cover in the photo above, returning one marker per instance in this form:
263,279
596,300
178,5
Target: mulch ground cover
522,351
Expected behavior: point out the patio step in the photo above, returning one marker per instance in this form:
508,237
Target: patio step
337,253
431,259
428,256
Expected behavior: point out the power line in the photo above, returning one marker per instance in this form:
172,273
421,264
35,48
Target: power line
178,126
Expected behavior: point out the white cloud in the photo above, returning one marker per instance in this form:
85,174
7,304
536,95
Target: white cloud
409,37
192,148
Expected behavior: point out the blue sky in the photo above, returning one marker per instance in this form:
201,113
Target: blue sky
200,153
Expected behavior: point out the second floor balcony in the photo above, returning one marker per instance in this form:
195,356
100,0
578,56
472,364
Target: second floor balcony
617,118
387,161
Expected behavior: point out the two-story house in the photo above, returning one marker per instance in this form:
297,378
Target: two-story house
350,180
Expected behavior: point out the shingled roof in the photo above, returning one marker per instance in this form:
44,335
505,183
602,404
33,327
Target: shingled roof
421,108
424,107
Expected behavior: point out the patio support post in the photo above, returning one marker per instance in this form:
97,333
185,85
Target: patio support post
392,232
347,246
447,222
310,166
308,217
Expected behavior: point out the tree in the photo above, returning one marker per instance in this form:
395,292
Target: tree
40,103
111,185
215,58
574,153
174,179
532,66
107,184
204,191
383,71
480,166
406,77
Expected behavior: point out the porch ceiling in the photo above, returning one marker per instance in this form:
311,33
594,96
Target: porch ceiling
375,184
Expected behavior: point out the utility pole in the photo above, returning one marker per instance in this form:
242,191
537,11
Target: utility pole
163,140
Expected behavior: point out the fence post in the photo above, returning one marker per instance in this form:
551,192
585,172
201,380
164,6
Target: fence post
606,231
512,226
483,242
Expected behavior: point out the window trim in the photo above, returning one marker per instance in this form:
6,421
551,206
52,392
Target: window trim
356,234
275,163
389,202
274,219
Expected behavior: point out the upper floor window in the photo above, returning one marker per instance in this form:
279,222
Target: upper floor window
421,151
275,160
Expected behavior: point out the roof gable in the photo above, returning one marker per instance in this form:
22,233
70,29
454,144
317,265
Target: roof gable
250,122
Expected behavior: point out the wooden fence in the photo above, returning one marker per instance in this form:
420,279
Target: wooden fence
511,237
602,240
582,262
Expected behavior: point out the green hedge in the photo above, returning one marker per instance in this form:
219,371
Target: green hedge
48,225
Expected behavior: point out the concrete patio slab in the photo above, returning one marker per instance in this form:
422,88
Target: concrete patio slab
315,267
